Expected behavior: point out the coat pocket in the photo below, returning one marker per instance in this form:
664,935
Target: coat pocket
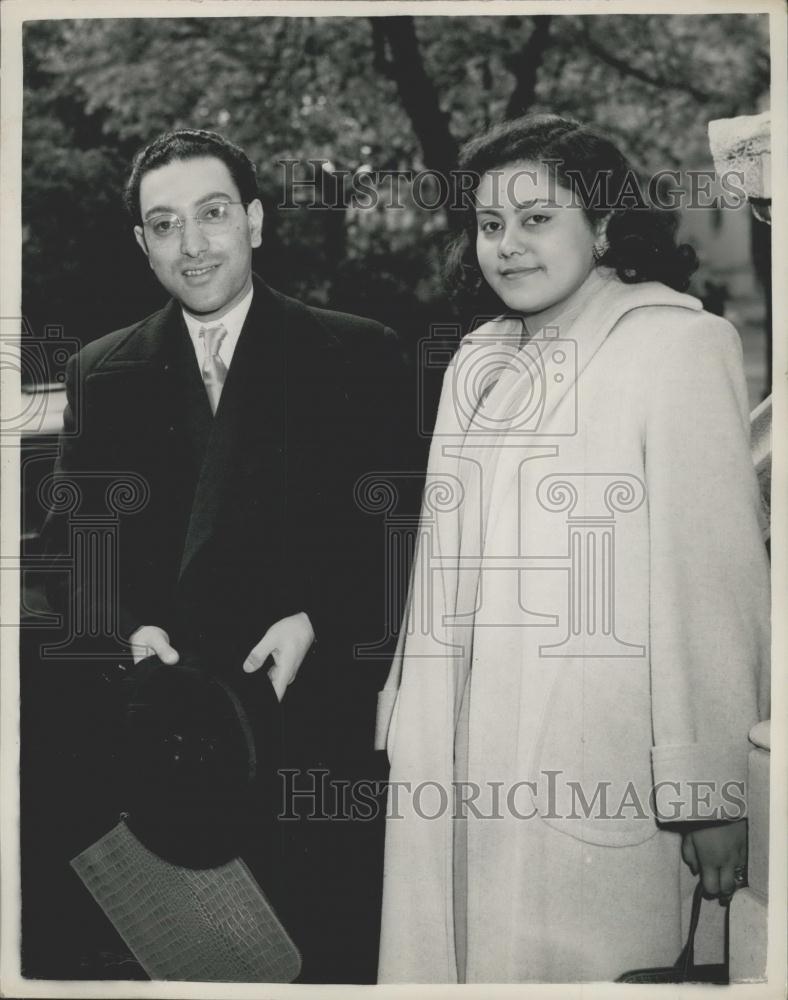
591,758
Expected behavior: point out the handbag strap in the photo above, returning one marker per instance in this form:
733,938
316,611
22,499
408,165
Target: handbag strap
686,960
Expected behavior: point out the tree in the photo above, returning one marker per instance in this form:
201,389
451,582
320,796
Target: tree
375,92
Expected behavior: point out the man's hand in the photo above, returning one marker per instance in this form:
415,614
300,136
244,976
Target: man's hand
287,641
150,640
715,851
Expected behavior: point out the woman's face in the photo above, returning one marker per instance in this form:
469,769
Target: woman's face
535,248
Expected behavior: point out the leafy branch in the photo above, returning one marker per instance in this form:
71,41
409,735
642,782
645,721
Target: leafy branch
627,69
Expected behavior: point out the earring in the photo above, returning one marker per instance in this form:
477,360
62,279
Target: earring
599,249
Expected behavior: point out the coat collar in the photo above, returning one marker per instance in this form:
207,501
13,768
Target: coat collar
488,388
153,340
496,346
502,425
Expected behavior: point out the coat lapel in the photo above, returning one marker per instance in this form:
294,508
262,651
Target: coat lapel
253,362
280,336
190,400
148,344
552,362
580,342
136,376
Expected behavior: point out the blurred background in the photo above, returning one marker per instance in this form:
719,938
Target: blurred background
364,94
360,94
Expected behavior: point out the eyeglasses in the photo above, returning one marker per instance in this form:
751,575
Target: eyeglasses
213,216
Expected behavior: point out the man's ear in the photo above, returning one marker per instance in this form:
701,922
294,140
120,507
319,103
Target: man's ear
139,236
254,214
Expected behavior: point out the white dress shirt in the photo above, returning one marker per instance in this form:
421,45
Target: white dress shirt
232,321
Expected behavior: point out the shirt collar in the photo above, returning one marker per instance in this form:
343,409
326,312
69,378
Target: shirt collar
232,321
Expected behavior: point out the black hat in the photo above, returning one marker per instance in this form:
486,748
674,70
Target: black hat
197,760
199,765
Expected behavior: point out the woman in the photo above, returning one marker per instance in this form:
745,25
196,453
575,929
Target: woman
586,644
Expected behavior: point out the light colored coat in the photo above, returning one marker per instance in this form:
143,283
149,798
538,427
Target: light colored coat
628,646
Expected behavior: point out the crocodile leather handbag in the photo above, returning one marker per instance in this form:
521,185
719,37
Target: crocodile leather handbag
187,924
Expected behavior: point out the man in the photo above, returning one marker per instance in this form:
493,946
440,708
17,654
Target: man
248,416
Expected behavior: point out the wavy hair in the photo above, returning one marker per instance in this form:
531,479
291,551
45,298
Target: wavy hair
641,239
189,144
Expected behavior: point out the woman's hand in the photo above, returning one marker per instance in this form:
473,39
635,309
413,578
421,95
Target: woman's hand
718,852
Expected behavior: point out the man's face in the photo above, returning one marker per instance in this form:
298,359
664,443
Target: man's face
208,269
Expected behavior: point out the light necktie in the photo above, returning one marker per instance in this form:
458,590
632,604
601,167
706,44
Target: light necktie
214,370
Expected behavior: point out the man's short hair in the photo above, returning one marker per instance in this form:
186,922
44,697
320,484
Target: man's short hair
189,144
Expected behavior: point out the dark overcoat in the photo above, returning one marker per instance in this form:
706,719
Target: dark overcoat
242,518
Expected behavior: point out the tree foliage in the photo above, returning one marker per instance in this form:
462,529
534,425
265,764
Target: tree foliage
389,93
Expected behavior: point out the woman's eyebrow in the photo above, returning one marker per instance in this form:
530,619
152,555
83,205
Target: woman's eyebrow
533,202
519,206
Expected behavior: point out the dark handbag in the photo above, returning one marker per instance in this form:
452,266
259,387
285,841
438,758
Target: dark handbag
685,970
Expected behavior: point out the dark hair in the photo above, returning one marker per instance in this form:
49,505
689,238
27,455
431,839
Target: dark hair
190,144
642,239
